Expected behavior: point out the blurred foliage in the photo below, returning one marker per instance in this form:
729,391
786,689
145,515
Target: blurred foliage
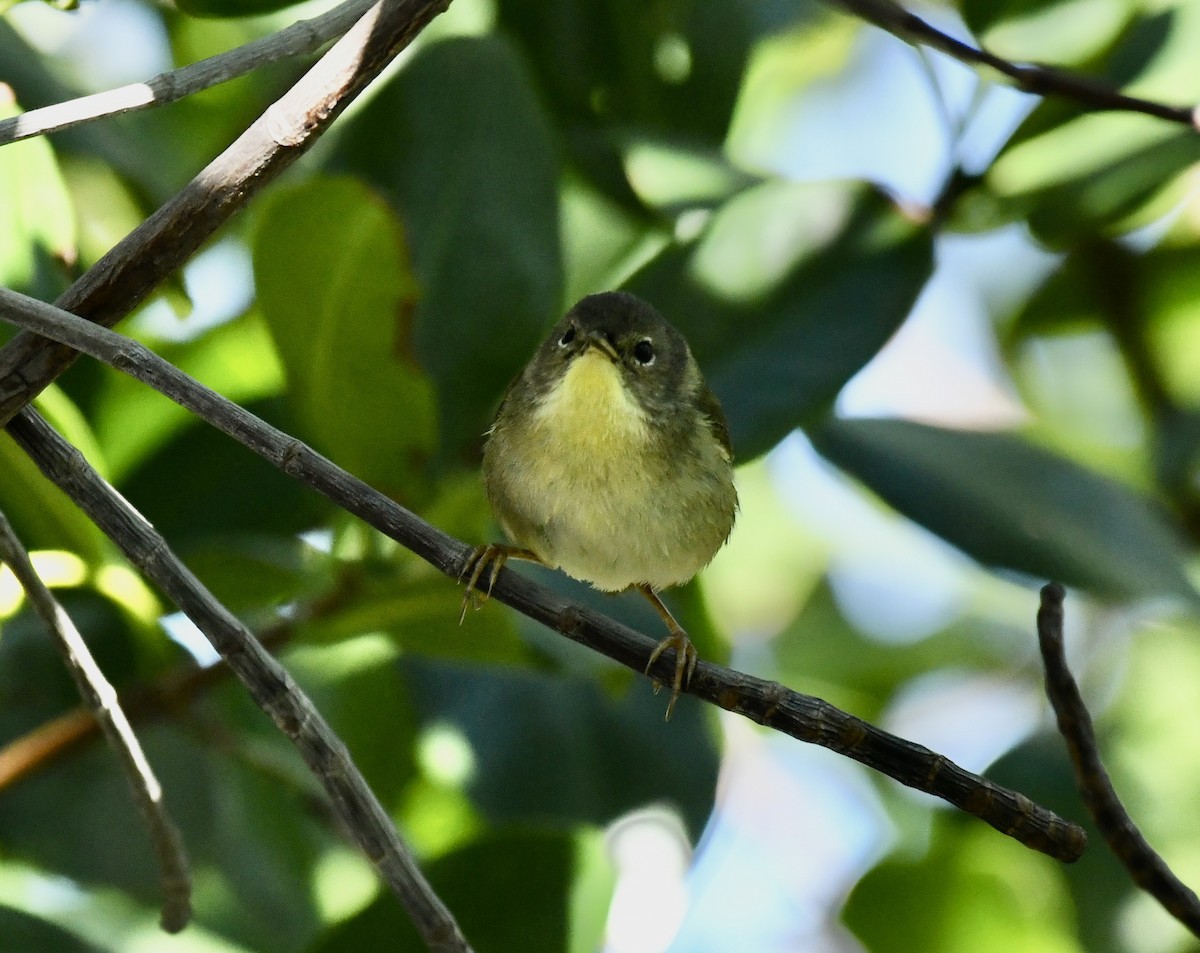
377,301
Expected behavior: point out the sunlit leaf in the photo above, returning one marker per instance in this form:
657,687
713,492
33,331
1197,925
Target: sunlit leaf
611,72
978,891
1075,175
1059,31
36,215
233,8
1100,887
330,264
361,692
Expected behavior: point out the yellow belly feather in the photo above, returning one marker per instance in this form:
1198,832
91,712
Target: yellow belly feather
608,511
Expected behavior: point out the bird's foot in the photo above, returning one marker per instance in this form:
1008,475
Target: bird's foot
494,555
686,658
475,566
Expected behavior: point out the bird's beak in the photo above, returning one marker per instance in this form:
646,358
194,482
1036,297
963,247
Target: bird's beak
598,340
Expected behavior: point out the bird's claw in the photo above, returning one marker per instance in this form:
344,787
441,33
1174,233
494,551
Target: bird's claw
686,658
473,568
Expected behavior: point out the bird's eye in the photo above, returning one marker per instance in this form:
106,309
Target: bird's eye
643,351
568,336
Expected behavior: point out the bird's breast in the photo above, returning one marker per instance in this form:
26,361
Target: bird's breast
580,482
590,409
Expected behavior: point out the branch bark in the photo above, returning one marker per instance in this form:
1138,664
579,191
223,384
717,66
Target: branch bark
1032,78
767,703
161,244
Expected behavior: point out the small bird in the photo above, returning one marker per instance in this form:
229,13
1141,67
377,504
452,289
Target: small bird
609,459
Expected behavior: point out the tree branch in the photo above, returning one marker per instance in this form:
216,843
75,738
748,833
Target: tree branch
303,36
767,703
1148,870
268,682
101,699
1032,78
134,266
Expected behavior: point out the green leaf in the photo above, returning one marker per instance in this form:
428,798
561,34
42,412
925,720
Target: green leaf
460,146
1096,192
978,891
668,66
1075,175
31,935
564,751
1059,31
508,891
334,287
36,215
790,292
591,893
1013,505
616,72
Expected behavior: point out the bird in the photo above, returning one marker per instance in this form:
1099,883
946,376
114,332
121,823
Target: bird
609,459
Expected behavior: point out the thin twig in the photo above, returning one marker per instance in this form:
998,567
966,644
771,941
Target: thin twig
768,703
303,36
1039,80
130,270
168,694
268,682
101,699
1148,870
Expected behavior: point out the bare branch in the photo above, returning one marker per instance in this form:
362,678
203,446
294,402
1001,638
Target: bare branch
101,699
1039,80
303,36
768,703
134,266
1148,870
268,682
